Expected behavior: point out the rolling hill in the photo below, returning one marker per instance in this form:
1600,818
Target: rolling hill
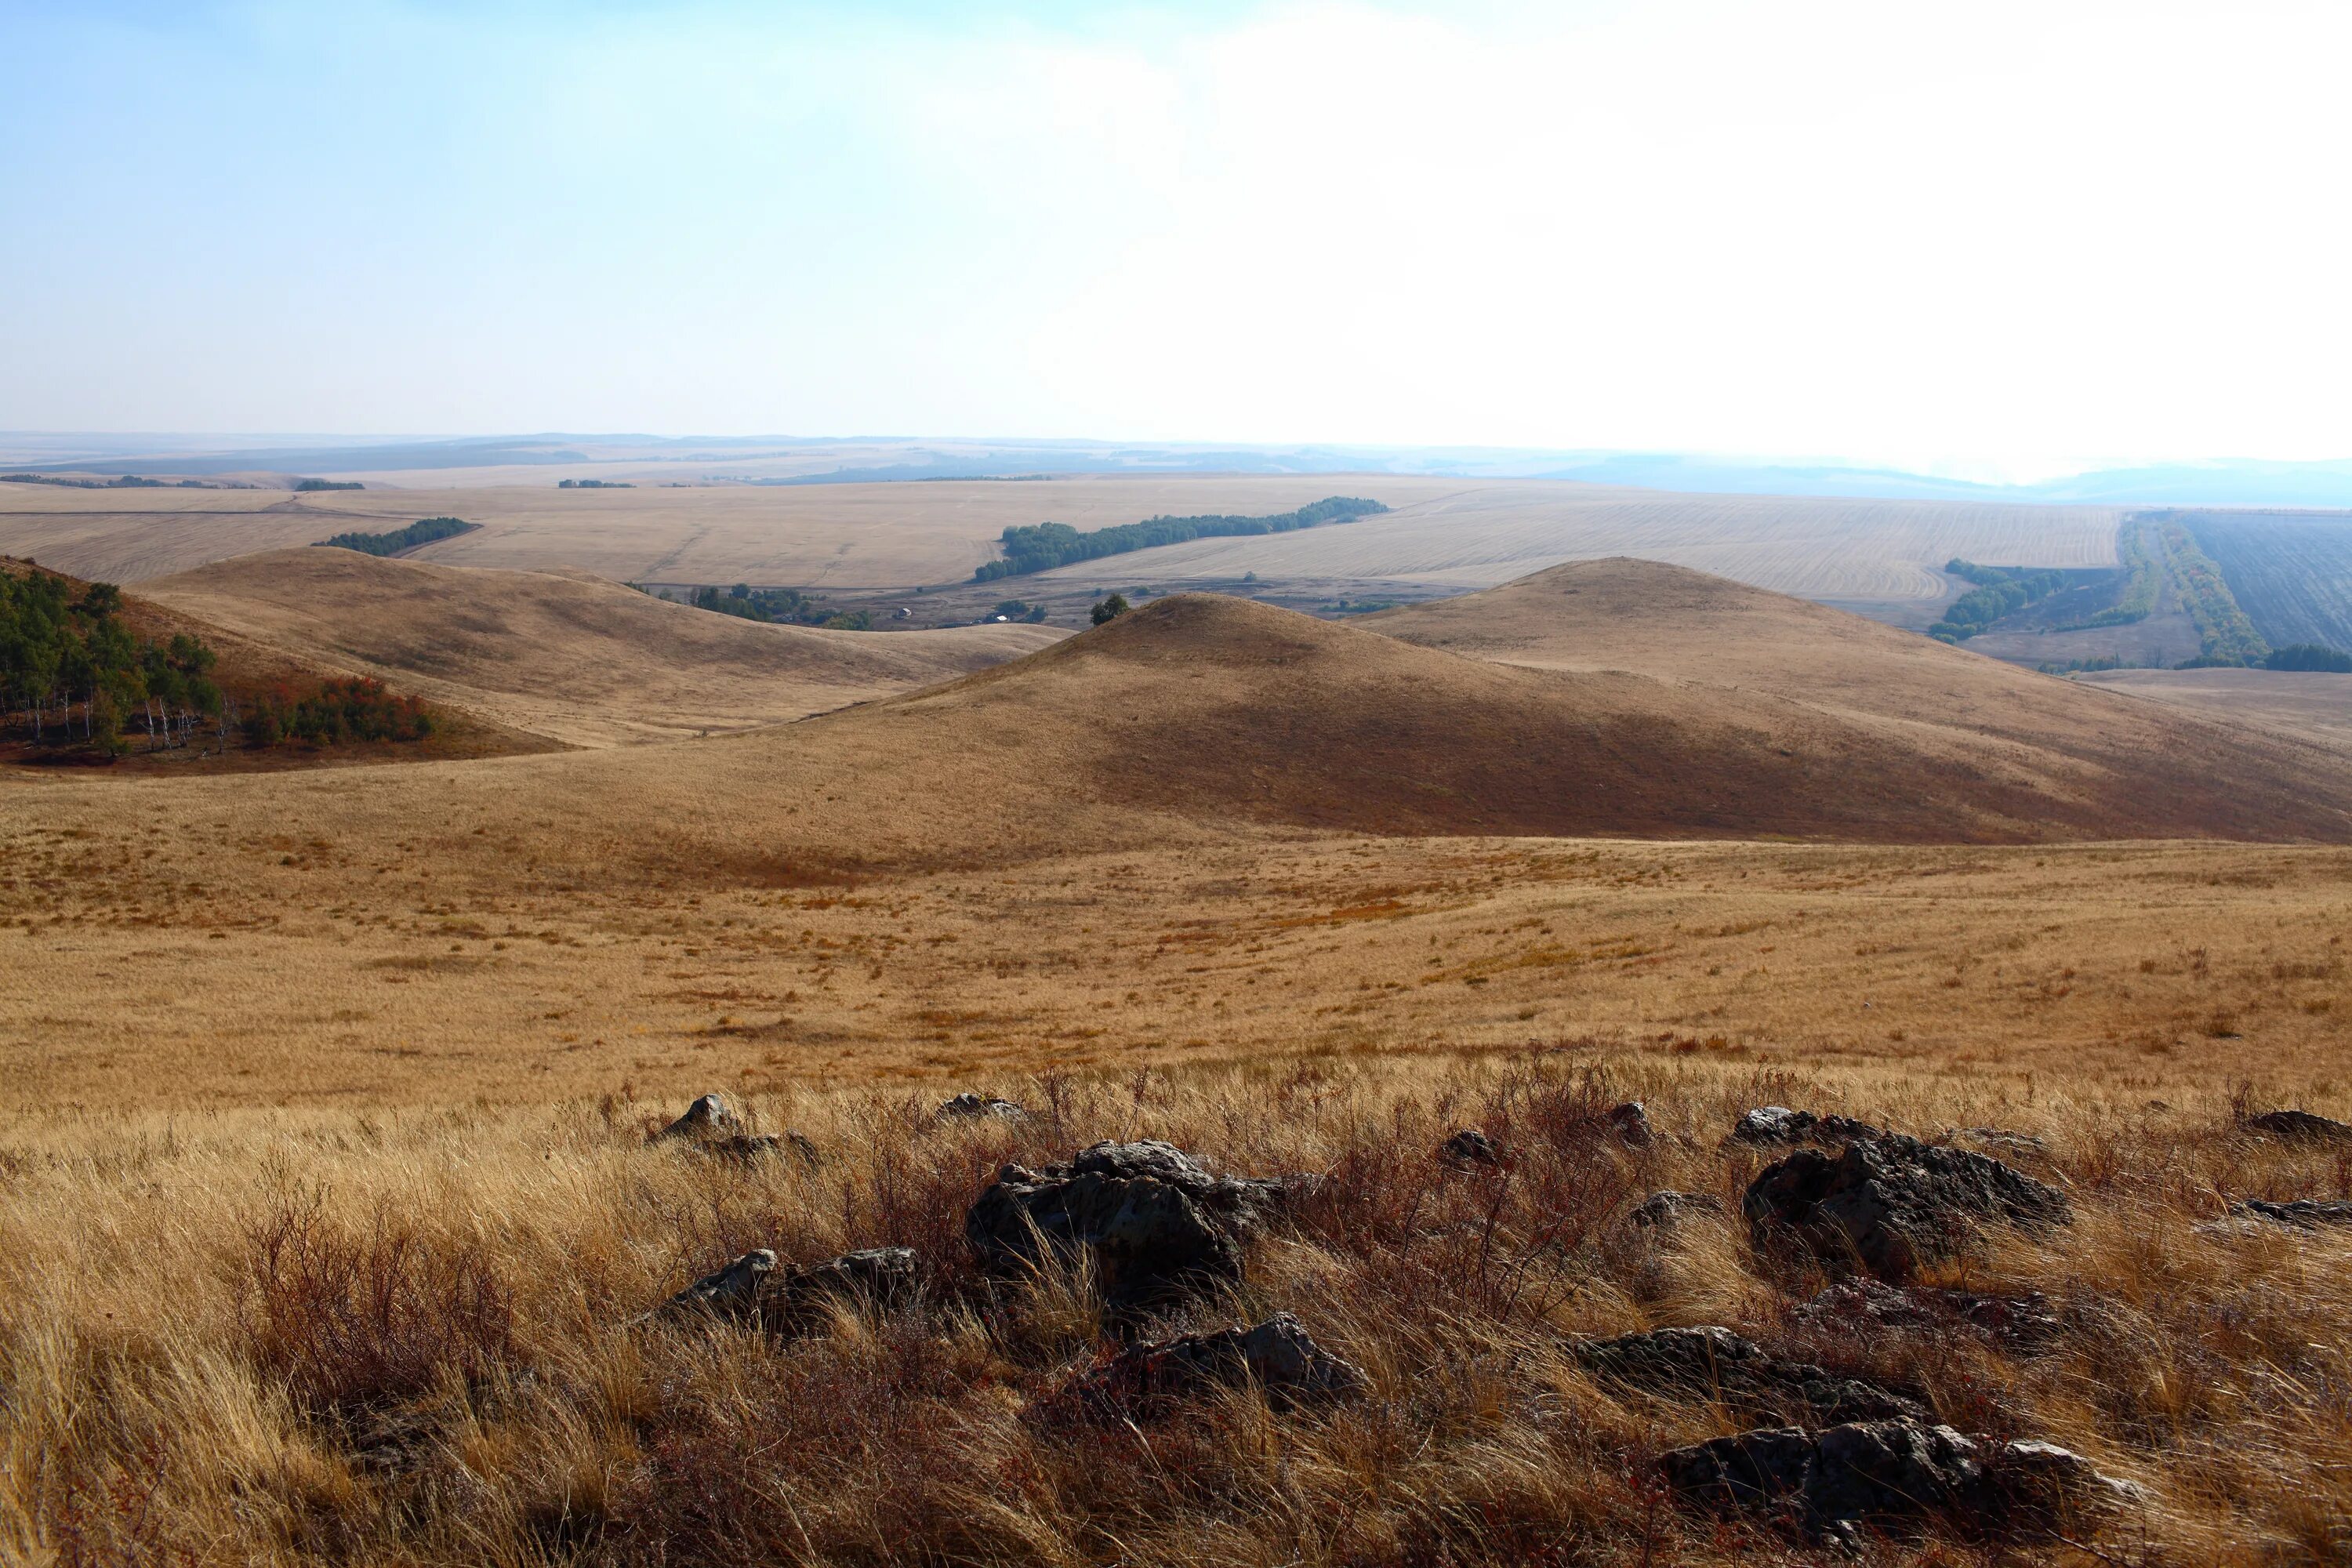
2103,766
564,654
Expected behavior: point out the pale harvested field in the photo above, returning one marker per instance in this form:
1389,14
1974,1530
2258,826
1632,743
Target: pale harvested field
2315,706
124,536
1447,534
811,536
1488,533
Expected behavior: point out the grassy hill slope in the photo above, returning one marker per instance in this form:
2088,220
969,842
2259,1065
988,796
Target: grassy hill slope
564,654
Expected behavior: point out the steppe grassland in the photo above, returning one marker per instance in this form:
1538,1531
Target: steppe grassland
1867,552
223,962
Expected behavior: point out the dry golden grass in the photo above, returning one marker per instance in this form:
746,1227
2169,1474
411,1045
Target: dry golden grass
403,1337
565,655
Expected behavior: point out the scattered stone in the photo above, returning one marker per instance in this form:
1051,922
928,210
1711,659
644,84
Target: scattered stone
1277,1356
1665,1210
2302,1213
1471,1147
2300,1127
1633,1124
1158,1226
707,1118
1883,1475
969,1104
1716,1365
1892,1203
2024,1322
792,1300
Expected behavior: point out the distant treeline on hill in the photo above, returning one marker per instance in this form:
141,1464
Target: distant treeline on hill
788,606
2309,655
127,482
425,530
593,485
1046,545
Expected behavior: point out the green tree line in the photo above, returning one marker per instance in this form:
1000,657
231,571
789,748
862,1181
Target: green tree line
788,605
1043,546
73,671
423,531
2225,635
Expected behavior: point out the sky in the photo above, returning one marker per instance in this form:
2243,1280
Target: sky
1983,239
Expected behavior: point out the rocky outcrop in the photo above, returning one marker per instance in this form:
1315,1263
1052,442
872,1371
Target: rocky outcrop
2299,1127
2302,1213
707,1118
1887,1475
712,1127
1277,1356
794,1301
968,1106
1157,1224
1891,1204
1470,1147
1770,1125
1714,1363
1630,1122
2026,1323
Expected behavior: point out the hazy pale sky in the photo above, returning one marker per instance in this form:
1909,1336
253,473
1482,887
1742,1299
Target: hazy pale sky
1983,235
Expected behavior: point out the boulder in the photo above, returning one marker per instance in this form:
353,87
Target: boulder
1470,1147
1714,1363
753,1289
1892,1203
1158,1227
2024,1322
1277,1356
2299,1127
969,1105
1887,1475
2303,1213
1665,1210
707,1118
1631,1124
